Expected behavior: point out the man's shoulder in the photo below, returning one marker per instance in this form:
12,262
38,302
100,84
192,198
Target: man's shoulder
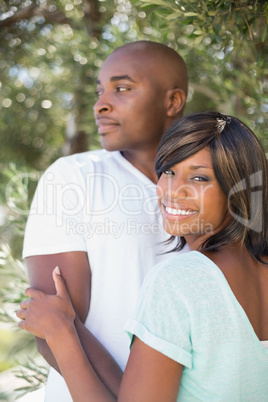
88,156
85,160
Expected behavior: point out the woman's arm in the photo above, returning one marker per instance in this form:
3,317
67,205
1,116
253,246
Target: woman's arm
150,376
81,379
77,281
51,317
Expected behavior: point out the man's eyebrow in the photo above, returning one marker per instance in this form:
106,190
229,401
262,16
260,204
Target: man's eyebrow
118,78
121,77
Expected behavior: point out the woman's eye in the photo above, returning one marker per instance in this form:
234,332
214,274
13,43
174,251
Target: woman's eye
200,178
169,172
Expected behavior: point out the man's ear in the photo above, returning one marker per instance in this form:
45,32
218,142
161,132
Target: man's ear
176,101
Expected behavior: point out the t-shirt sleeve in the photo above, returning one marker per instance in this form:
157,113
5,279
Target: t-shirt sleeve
55,221
162,320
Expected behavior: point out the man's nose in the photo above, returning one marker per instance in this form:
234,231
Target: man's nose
102,106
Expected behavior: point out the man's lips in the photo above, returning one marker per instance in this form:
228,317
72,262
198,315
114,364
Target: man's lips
106,125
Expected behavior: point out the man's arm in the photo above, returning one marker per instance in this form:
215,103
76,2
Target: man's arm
75,270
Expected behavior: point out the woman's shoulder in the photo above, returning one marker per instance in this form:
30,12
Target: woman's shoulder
187,263
185,282
184,271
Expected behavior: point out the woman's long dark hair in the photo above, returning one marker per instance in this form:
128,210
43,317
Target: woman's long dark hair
240,167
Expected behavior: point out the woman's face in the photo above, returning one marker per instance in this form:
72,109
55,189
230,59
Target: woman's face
191,200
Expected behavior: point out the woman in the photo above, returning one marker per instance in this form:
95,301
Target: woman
201,326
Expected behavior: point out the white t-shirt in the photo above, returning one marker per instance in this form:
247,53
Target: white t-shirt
99,203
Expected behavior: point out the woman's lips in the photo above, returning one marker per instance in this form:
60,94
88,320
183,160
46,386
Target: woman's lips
181,212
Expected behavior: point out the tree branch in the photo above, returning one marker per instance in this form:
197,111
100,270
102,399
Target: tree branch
210,93
92,17
54,17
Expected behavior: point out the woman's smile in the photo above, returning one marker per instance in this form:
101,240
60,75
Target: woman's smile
178,212
191,200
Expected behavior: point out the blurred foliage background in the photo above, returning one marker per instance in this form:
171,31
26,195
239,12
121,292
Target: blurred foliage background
50,53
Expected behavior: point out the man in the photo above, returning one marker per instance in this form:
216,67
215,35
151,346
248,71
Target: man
95,214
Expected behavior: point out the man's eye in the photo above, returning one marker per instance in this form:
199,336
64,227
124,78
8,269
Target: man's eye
98,92
122,89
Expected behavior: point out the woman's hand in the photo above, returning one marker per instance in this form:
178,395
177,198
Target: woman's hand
43,315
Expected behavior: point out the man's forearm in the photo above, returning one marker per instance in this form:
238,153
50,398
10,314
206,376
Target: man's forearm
103,363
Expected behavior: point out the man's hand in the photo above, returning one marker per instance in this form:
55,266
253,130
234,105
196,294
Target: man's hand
44,314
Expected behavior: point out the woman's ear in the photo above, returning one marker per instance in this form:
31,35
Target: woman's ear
176,101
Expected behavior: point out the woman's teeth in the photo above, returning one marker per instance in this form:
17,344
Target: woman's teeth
174,211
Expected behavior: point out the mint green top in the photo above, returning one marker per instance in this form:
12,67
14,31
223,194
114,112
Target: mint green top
188,312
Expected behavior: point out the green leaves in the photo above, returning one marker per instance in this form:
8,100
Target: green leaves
33,374
190,14
221,42
49,60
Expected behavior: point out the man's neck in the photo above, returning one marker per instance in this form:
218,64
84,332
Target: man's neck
143,161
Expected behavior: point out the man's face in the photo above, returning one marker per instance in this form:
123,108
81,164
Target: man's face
130,111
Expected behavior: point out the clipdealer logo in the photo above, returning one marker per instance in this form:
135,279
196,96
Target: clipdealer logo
61,199
255,220
108,227
66,201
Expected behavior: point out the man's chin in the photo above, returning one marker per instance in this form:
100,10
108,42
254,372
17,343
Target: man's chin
108,146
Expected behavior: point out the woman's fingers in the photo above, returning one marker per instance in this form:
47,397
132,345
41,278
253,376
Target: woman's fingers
60,284
21,325
21,314
42,313
30,317
24,304
33,293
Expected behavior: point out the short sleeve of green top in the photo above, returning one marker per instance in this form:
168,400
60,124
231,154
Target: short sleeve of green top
188,312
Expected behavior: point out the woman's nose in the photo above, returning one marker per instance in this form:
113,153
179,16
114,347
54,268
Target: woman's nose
173,190
179,193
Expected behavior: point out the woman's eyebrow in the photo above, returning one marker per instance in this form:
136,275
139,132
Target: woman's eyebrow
195,167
